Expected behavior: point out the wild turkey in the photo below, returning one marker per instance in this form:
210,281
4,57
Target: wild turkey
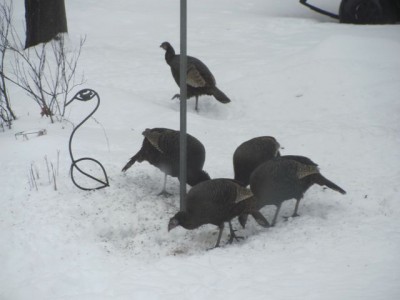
285,178
216,201
161,149
252,153
200,81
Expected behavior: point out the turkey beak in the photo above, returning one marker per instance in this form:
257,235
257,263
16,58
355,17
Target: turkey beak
172,224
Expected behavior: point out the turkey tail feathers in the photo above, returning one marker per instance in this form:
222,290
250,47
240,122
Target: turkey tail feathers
323,181
130,162
220,96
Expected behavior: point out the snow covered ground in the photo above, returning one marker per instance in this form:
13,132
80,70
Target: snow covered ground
324,90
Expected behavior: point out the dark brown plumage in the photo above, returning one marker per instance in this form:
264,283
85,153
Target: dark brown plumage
252,153
161,149
285,178
215,202
200,81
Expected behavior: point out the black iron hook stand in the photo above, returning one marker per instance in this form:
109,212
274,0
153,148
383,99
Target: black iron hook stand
86,95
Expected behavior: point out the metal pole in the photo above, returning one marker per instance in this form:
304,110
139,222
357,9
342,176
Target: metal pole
183,96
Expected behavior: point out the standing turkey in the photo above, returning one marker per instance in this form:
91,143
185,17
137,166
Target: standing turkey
252,153
216,201
200,81
284,178
161,149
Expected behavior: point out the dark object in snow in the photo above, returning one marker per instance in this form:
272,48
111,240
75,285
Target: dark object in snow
86,95
363,11
161,149
25,134
45,19
285,178
200,81
216,201
252,153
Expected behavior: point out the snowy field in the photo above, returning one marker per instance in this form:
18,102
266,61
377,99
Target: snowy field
324,90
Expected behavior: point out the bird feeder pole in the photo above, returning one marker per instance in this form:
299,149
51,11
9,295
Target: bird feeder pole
183,96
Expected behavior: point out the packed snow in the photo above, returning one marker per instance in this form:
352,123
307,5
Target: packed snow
324,90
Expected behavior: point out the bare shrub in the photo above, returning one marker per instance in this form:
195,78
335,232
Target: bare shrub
34,178
6,113
46,72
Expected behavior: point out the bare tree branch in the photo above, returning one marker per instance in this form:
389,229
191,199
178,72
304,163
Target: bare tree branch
6,113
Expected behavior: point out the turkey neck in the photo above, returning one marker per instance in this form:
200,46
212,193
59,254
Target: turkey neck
186,221
169,54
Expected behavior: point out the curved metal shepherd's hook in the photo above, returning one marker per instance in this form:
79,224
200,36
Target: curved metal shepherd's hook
85,95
